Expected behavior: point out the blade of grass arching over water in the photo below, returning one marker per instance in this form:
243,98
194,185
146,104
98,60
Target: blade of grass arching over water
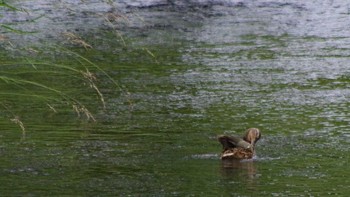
46,98
94,65
53,65
34,65
29,94
82,59
22,81
86,74
4,4
35,19
60,93
16,30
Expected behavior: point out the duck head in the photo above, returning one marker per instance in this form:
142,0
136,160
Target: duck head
252,135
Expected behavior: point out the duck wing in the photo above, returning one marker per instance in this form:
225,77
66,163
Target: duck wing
232,142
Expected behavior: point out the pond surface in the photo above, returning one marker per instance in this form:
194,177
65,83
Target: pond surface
174,76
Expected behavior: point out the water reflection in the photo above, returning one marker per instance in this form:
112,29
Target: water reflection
240,171
231,166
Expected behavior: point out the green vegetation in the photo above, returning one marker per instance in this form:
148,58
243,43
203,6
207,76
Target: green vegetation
53,76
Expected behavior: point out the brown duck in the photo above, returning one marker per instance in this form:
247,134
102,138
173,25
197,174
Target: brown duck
238,148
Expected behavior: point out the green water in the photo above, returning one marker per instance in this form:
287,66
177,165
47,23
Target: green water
179,77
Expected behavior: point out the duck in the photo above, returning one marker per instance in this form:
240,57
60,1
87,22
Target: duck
239,148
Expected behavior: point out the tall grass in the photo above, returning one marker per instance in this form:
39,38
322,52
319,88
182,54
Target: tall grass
83,74
13,72
51,60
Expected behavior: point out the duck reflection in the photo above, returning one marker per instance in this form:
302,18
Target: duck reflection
239,167
241,173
